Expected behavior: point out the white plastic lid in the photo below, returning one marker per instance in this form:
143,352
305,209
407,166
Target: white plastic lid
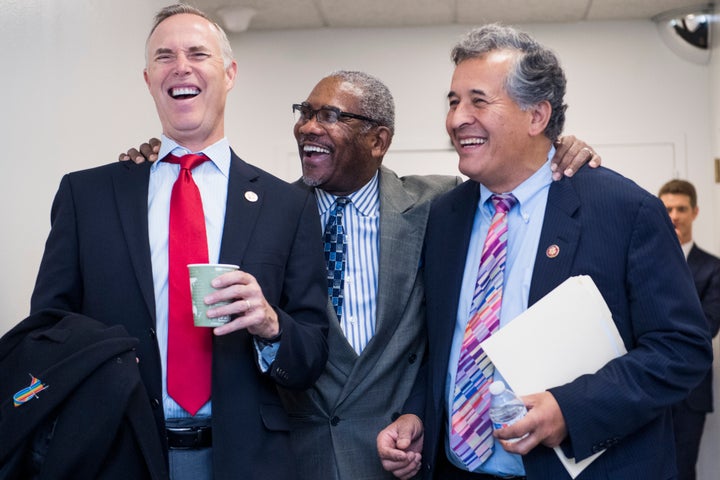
496,387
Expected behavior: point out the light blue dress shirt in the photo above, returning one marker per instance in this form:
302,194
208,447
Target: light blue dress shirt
524,226
212,181
361,220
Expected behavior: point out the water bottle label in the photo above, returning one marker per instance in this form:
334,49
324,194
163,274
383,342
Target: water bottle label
498,426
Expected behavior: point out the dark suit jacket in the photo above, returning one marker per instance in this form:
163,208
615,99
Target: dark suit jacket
97,262
93,420
608,228
705,270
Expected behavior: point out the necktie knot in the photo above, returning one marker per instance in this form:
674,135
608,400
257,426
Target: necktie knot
340,203
503,202
187,162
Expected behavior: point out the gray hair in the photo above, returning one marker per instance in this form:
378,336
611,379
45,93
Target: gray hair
375,98
536,75
180,8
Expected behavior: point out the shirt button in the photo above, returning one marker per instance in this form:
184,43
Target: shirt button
351,320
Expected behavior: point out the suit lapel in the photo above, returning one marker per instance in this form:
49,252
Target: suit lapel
452,234
244,201
401,239
131,197
558,240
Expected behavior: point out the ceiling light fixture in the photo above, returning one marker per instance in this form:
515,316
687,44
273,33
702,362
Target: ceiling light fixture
236,19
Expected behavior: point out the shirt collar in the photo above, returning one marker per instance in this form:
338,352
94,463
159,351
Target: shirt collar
686,247
218,152
364,199
527,190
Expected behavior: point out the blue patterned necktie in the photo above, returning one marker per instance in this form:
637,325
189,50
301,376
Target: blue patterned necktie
335,253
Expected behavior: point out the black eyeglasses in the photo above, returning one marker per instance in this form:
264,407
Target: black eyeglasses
328,115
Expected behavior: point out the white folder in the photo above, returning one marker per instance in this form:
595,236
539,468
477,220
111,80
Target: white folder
567,333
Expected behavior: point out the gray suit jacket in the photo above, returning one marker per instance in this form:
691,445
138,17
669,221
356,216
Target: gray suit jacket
334,424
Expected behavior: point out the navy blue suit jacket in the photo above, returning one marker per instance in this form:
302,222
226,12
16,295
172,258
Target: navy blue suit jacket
97,262
705,270
606,227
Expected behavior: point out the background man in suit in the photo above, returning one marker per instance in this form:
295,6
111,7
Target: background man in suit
344,129
506,108
107,257
680,199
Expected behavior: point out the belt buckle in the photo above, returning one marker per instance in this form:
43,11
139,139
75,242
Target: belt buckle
186,438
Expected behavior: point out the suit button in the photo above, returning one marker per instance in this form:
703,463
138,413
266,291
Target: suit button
155,403
334,421
153,335
412,358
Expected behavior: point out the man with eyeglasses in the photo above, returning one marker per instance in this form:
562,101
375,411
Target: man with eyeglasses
376,339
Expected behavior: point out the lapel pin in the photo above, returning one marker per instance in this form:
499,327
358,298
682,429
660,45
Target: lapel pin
552,251
251,196
28,393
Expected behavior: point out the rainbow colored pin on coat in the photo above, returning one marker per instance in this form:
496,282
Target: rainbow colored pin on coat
27,393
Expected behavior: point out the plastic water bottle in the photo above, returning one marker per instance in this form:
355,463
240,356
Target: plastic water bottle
505,407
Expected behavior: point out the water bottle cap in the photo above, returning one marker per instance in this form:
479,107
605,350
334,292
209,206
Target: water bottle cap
496,387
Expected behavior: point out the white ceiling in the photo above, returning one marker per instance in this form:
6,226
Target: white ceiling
292,14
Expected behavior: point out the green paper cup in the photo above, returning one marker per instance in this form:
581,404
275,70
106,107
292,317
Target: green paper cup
201,274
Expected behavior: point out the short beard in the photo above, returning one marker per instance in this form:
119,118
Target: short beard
310,182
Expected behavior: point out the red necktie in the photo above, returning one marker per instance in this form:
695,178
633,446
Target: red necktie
189,355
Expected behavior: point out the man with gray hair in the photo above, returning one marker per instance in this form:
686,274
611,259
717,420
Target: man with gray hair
504,239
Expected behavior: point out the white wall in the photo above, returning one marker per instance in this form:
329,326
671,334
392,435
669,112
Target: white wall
73,97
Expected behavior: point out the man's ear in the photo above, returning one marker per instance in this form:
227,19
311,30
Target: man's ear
539,117
381,137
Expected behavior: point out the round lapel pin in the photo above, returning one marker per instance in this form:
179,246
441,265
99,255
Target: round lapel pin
552,251
251,196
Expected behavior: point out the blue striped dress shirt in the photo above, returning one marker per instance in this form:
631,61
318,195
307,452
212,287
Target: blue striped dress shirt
362,225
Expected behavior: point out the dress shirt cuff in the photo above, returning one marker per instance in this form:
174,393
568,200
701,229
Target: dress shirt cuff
266,349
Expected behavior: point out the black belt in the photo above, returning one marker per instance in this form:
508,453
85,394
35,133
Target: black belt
189,437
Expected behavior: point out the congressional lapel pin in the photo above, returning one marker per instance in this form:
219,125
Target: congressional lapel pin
251,196
552,251
28,393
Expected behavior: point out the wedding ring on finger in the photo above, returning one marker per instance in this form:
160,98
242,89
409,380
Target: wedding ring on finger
587,149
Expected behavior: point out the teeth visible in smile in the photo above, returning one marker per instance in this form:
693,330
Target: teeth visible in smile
315,149
184,91
472,141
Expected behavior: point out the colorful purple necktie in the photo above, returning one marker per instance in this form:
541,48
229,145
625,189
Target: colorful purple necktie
471,437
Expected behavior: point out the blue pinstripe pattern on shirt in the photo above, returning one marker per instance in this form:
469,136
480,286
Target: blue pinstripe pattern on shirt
362,225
